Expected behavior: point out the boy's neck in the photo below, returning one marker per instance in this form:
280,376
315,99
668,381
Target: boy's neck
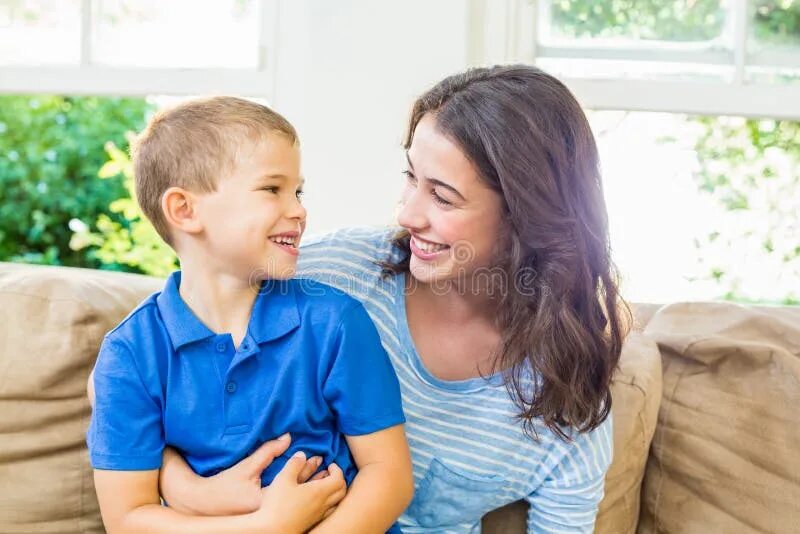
221,301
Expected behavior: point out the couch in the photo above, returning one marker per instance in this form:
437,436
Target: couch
706,408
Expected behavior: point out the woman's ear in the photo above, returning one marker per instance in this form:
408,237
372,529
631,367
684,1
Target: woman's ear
180,210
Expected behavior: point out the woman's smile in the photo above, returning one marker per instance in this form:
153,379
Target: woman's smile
427,250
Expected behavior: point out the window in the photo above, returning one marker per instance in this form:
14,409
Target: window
719,57
137,47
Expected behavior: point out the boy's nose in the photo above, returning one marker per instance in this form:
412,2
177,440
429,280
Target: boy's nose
297,211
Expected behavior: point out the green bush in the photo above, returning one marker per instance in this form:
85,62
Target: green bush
51,149
775,21
132,244
751,168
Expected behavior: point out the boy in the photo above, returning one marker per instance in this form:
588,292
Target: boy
233,352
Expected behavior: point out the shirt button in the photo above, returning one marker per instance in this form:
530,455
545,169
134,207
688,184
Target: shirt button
230,387
244,346
221,347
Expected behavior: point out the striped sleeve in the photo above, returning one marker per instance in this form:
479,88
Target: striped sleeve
568,499
345,259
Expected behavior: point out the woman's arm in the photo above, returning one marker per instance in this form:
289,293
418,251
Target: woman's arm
381,490
568,499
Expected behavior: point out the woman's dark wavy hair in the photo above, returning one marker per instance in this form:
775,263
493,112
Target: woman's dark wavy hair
561,314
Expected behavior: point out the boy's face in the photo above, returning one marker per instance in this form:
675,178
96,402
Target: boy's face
253,222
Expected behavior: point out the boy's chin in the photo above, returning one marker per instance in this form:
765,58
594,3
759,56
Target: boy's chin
273,273
283,275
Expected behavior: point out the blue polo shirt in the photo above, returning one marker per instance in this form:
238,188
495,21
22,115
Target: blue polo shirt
310,364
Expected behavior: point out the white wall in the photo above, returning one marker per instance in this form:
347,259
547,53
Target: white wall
347,74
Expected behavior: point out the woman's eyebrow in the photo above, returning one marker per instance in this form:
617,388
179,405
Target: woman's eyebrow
437,182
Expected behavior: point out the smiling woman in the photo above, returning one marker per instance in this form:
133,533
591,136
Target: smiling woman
446,206
497,301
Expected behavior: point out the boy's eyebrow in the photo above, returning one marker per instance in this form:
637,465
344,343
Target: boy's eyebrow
281,177
436,182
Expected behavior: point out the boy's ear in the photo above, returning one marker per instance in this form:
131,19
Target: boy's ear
180,210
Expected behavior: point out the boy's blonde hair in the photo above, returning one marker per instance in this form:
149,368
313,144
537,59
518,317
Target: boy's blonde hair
192,144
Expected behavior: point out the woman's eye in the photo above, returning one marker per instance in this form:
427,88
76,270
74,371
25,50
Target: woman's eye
300,194
440,200
270,189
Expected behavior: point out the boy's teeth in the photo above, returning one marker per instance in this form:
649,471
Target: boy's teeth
283,240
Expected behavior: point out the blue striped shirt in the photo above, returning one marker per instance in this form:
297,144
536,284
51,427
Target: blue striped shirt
470,454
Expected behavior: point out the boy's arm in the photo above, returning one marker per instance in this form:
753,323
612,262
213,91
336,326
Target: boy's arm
381,490
129,502
236,490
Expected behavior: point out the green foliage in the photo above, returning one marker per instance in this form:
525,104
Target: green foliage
51,149
751,168
773,21
133,244
777,21
685,20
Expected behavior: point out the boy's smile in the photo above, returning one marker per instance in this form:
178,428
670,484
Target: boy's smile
253,222
288,242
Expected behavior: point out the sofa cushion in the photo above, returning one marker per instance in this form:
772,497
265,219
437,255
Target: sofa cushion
55,319
635,391
725,455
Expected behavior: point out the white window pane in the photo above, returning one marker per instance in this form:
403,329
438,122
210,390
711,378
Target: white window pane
176,33
774,75
40,32
702,208
634,70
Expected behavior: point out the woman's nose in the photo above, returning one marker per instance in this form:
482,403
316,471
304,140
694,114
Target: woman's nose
411,213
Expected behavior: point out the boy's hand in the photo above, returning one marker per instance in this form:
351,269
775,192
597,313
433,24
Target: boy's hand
292,507
237,490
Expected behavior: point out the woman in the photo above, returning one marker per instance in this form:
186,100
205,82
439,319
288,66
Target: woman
497,302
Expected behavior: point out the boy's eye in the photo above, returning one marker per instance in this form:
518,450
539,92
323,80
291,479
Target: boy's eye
300,193
410,176
270,189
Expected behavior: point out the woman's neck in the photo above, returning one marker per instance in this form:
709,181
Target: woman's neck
455,334
454,303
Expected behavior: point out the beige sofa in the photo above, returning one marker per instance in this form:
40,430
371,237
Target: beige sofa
711,444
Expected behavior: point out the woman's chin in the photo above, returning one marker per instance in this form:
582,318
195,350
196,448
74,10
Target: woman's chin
429,273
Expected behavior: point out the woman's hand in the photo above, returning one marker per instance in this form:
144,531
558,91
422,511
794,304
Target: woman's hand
291,507
237,490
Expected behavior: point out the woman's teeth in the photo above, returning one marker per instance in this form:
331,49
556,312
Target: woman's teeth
428,247
283,240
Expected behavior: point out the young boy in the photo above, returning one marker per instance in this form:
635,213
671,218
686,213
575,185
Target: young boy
233,352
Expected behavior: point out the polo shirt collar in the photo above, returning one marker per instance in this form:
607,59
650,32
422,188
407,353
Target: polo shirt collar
181,323
274,314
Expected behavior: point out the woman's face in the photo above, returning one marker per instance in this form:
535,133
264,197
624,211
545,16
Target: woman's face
454,219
